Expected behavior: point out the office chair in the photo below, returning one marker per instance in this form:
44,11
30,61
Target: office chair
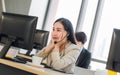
84,59
41,38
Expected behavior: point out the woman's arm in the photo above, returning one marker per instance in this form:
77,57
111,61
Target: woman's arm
45,51
69,58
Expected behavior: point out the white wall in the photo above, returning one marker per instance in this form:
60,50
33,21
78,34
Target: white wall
17,6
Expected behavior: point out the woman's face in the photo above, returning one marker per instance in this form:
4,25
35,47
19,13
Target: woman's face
58,32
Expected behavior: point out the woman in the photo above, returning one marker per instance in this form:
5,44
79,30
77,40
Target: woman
62,53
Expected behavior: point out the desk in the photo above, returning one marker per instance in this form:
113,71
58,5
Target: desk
9,67
78,70
13,68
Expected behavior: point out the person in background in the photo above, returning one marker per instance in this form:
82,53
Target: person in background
62,52
85,56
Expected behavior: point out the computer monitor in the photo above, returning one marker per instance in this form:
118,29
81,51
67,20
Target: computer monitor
17,30
113,62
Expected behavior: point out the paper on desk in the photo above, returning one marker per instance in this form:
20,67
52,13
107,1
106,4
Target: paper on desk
11,53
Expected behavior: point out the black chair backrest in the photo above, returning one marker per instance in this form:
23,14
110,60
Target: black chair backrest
41,38
84,59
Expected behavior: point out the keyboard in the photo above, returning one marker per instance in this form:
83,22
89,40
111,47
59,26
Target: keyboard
20,59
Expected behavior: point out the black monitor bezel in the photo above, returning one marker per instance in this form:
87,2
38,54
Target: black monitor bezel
28,40
113,61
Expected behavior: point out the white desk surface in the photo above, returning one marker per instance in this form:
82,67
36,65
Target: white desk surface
78,71
82,71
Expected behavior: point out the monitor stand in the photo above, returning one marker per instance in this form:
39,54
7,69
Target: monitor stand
28,53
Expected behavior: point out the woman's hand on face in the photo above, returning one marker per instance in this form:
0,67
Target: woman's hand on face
61,41
50,47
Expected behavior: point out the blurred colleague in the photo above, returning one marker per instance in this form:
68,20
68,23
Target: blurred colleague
62,52
85,56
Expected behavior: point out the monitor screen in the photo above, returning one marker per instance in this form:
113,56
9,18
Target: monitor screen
17,30
113,62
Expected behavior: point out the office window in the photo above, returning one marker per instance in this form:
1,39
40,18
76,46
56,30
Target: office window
38,8
86,23
69,9
109,20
